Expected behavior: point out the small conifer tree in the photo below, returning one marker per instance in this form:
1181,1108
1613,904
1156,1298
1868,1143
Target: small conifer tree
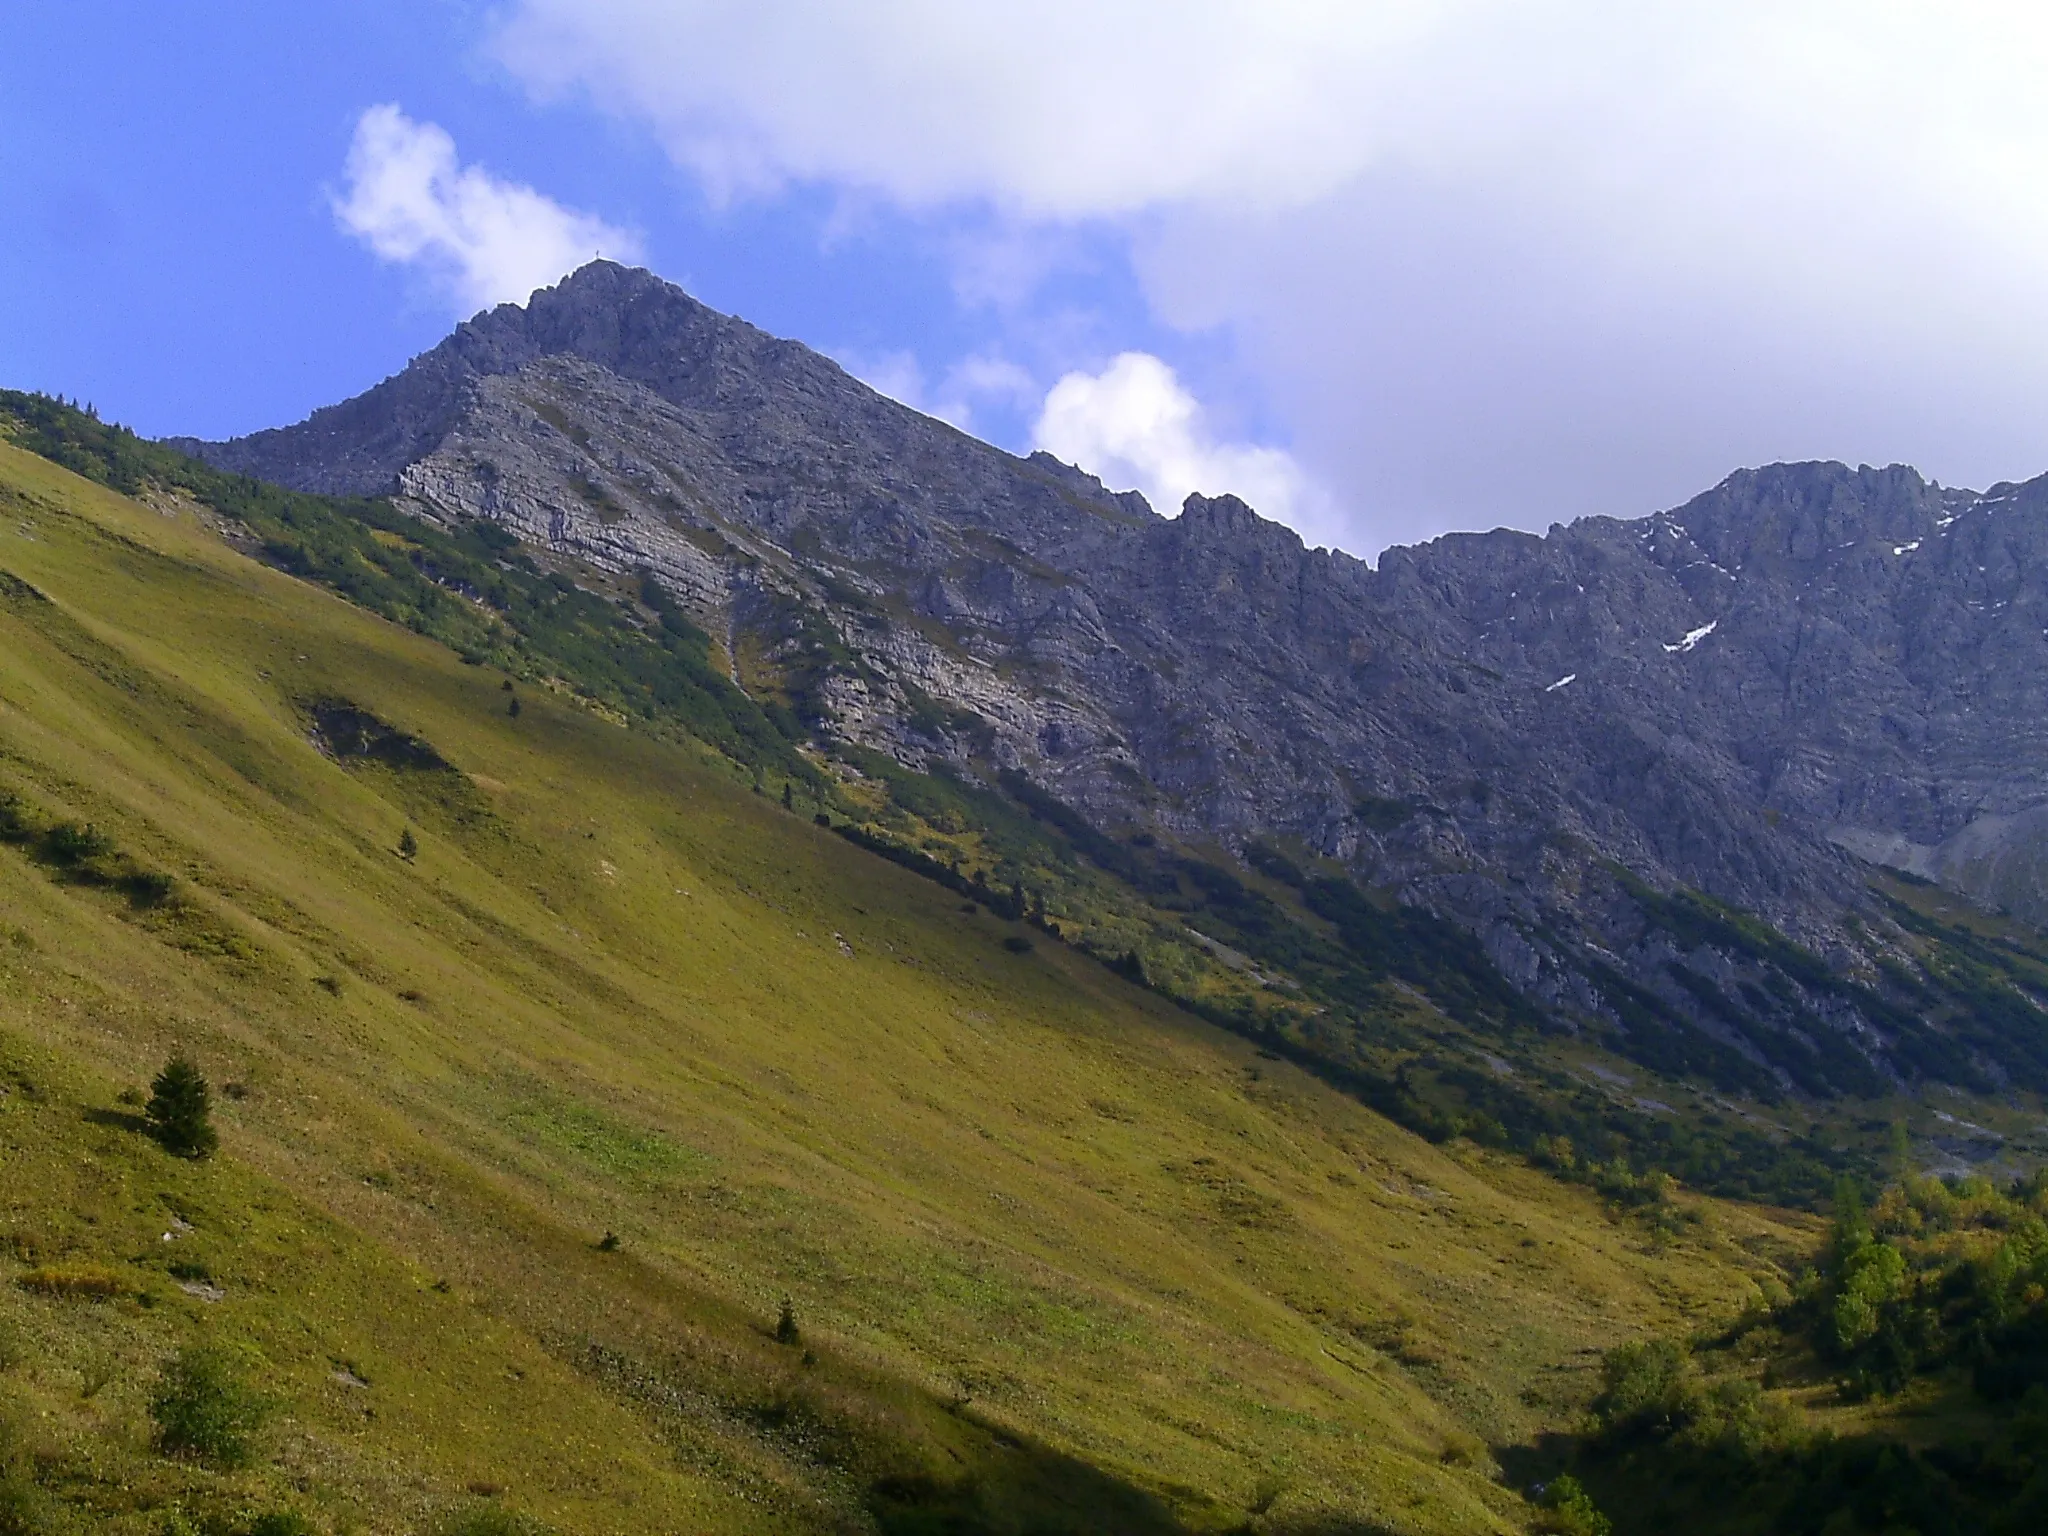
786,1330
788,797
408,845
180,1111
512,708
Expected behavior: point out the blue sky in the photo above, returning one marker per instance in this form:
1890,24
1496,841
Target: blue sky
172,254
1385,269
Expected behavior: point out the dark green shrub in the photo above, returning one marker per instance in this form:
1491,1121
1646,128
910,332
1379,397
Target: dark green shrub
786,1330
69,843
180,1111
408,845
1568,1510
282,1522
1017,944
205,1408
148,887
1644,1389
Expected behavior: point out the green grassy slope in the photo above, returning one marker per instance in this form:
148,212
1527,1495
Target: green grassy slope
1391,1004
1062,1255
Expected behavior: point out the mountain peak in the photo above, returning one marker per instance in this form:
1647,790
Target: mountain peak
625,319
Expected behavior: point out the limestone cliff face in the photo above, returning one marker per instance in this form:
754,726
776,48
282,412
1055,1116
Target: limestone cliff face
1805,668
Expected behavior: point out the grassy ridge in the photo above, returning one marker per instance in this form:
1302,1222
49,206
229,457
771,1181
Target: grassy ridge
1051,1243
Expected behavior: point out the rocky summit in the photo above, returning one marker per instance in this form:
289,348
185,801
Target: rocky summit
1749,702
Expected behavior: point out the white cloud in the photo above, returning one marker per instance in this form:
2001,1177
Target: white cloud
1057,107
896,374
1137,427
979,380
1494,259
1068,109
488,241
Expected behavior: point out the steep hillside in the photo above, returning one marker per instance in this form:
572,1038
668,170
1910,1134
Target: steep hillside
1542,741
1057,1254
1385,999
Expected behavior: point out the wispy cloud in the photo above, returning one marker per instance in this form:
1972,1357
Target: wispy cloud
960,395
486,241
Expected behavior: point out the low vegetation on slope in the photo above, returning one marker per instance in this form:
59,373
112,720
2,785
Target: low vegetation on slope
1389,1003
1902,1387
605,1146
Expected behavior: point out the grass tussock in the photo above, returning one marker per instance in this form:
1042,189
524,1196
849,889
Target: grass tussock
84,1282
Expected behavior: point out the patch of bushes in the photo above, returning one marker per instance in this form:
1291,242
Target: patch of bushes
81,853
348,732
70,844
1694,920
1377,813
1617,1150
1988,985
1566,1509
205,1408
1940,1287
1004,904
